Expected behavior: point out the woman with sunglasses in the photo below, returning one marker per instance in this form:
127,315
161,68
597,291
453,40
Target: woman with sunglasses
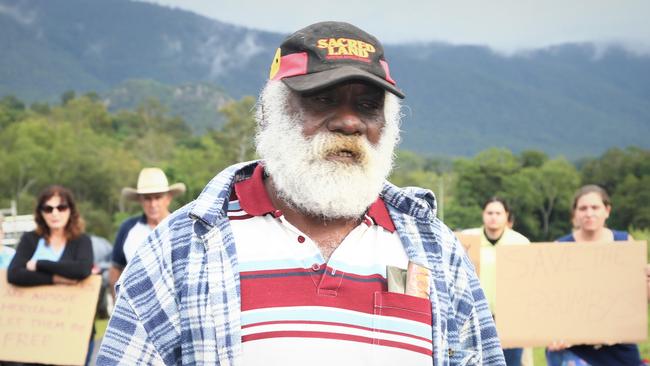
57,252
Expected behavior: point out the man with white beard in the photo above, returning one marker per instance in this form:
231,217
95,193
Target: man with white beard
308,255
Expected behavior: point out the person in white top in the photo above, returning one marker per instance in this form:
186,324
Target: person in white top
496,230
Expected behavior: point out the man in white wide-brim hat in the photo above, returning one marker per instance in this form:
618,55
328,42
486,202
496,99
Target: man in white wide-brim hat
154,194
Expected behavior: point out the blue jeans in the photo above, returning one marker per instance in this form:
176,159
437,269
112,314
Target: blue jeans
564,358
513,356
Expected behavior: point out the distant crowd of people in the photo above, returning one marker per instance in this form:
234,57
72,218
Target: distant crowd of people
590,210
60,252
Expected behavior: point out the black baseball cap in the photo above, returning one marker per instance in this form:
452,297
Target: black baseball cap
327,53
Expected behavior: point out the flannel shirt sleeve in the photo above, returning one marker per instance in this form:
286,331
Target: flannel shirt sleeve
481,323
126,342
476,329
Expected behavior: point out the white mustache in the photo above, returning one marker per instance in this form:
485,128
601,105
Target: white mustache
326,144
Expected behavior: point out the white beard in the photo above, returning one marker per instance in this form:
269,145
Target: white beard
302,175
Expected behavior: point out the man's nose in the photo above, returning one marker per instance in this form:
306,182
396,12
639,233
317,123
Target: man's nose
347,121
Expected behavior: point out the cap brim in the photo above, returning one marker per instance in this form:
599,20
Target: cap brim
314,82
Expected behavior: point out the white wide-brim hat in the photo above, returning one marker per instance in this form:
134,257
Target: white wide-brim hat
150,181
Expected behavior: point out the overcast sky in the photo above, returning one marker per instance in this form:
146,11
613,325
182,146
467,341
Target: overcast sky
504,25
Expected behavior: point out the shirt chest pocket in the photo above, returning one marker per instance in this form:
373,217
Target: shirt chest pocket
403,322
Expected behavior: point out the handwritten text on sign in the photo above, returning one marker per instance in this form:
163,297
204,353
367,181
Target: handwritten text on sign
581,293
47,324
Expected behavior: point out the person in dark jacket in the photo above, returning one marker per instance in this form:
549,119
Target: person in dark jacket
58,251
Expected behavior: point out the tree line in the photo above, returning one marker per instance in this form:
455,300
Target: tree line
80,144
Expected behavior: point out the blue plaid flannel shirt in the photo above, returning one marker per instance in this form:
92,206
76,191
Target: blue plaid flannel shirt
179,298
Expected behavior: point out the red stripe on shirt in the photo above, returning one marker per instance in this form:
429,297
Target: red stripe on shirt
336,324
299,288
328,335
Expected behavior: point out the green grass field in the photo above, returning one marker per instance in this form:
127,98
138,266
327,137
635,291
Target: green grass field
100,327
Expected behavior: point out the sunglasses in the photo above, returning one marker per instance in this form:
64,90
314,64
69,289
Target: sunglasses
50,209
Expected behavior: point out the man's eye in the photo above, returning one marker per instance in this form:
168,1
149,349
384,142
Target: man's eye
370,106
323,99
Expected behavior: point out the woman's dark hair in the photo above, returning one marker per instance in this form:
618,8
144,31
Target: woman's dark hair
75,225
590,188
500,200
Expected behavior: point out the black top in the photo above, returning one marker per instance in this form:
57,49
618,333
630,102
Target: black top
492,241
76,262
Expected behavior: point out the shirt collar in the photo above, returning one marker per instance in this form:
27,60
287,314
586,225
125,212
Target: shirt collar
379,213
252,194
254,199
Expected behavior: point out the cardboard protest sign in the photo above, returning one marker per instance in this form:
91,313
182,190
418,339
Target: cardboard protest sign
47,324
472,244
581,293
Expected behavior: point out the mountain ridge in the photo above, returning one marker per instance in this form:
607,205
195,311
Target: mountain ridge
575,100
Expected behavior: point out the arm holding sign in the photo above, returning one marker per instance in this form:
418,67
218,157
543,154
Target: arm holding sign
75,263
77,267
18,273
58,251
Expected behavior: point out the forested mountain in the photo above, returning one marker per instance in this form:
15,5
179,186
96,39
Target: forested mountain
575,100
197,103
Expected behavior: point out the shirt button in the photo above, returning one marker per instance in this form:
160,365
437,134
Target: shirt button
301,239
277,213
315,267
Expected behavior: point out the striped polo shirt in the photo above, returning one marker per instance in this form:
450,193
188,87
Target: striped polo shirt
298,309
